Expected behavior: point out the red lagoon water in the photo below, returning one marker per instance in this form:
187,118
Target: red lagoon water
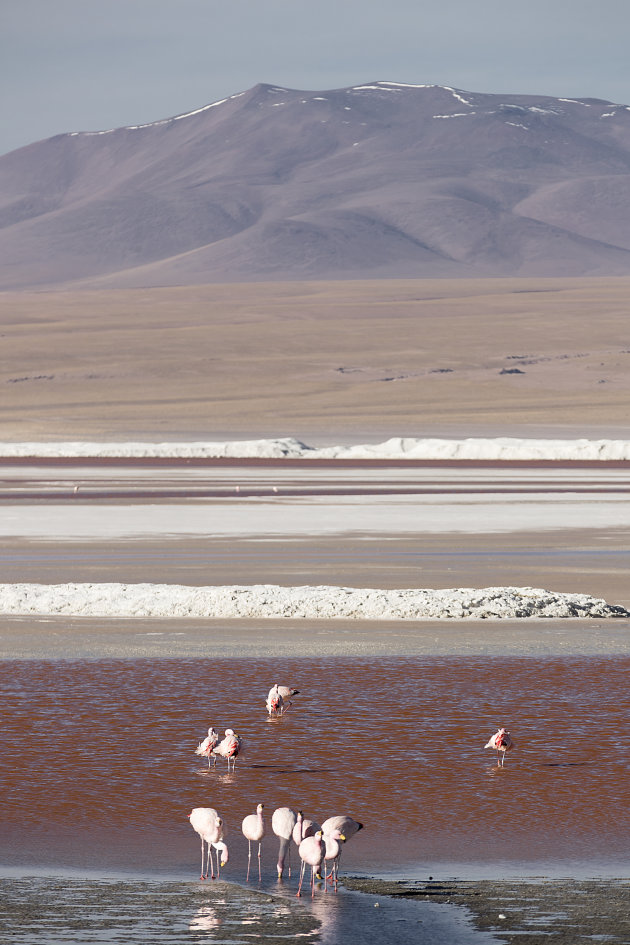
99,771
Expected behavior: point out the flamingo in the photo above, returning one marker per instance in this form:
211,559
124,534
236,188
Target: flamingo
283,821
205,747
346,827
502,742
312,851
275,702
229,748
254,830
342,822
332,853
287,693
210,827
303,828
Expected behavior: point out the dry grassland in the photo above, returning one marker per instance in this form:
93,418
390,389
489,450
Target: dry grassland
321,359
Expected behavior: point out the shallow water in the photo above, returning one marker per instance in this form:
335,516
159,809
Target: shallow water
99,770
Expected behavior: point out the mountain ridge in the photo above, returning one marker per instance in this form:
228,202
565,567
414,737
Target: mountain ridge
382,179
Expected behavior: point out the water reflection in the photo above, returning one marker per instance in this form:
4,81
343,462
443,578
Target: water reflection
205,920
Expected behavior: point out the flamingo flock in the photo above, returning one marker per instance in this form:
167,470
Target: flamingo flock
319,846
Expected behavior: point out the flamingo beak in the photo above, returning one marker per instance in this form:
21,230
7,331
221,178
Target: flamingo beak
341,837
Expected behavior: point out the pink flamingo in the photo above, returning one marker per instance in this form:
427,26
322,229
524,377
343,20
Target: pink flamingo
210,827
254,830
283,821
312,851
502,742
229,748
303,828
205,747
275,702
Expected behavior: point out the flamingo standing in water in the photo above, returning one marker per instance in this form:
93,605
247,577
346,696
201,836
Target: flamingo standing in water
205,747
502,742
346,827
283,821
275,702
254,830
312,851
210,827
279,699
229,748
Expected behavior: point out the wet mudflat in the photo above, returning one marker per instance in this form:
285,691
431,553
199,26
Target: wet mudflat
130,911
560,912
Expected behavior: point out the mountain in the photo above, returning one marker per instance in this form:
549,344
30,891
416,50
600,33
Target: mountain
377,180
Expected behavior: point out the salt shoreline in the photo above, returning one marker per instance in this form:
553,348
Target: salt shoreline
503,449
267,601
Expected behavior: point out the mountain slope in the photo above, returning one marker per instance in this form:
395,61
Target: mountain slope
382,179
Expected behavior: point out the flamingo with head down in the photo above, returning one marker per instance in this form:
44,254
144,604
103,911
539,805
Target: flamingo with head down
340,827
211,828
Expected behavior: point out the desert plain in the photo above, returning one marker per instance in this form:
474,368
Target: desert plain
326,360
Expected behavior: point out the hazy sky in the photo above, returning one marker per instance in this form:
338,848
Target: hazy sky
83,65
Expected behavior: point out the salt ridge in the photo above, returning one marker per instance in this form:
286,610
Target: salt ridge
270,601
396,448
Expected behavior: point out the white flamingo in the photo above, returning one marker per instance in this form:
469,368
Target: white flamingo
346,827
283,821
343,822
211,828
287,693
502,742
205,747
312,851
254,830
229,747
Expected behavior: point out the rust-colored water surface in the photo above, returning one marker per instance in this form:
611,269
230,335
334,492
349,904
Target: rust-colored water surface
99,771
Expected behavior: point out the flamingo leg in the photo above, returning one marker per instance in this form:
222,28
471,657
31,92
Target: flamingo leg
302,867
202,859
259,874
249,858
211,858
